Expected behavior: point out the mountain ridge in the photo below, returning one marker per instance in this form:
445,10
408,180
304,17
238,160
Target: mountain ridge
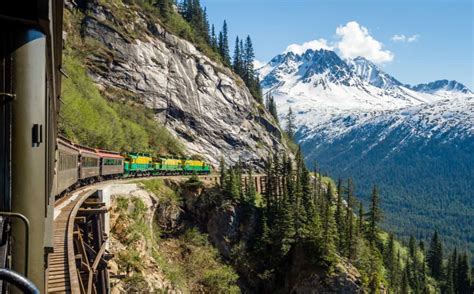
411,140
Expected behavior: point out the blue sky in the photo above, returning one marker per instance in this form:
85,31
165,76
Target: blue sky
415,41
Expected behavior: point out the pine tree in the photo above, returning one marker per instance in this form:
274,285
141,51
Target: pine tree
238,180
307,202
350,237
389,259
249,56
272,107
339,217
375,216
214,39
231,185
328,222
290,123
463,274
435,257
222,172
237,60
286,227
360,223
449,283
224,44
251,193
405,288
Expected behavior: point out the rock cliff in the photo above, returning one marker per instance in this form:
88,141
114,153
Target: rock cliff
199,100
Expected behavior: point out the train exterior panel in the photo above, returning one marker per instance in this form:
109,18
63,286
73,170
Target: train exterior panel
138,163
90,164
111,163
68,170
171,165
196,166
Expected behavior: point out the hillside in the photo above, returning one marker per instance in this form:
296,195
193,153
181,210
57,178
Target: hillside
143,71
355,120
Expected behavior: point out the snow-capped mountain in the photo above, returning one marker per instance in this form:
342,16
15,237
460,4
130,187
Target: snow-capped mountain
322,88
355,120
370,73
441,86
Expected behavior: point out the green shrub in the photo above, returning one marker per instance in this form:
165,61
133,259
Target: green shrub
194,182
88,118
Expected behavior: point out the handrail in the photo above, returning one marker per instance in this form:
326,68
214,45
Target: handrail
27,234
21,282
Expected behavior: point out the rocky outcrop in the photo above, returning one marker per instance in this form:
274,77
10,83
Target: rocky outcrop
199,100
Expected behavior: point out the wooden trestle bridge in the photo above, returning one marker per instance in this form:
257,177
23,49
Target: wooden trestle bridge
78,263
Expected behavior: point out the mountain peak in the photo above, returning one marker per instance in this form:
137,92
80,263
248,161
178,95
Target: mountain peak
441,85
372,74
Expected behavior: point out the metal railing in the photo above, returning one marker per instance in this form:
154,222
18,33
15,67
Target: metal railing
18,281
26,222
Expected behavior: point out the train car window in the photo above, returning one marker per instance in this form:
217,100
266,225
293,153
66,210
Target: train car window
89,162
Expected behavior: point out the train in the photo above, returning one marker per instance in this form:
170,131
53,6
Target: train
81,165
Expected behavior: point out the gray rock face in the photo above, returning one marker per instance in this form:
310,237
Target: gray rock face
199,100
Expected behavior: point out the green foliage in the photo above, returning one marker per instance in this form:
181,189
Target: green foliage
163,192
193,182
435,257
271,106
88,118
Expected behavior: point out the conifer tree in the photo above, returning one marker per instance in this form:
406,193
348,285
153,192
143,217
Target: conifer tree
449,283
271,106
360,220
435,257
224,44
249,56
374,216
413,265
286,228
290,123
463,274
251,193
231,185
214,39
238,180
328,222
222,172
389,259
350,237
339,217
405,288
237,64
307,202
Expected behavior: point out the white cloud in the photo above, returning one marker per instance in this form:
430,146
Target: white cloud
315,45
355,40
399,38
402,38
258,64
413,38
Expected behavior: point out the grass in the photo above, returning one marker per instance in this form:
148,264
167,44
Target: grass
162,191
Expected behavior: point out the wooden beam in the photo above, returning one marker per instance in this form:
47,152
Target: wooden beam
83,211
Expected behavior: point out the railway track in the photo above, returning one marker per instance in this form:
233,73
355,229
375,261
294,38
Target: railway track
60,279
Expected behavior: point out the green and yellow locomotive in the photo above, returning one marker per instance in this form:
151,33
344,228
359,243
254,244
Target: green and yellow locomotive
142,164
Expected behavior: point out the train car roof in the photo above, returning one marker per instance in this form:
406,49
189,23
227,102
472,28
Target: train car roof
67,143
109,154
